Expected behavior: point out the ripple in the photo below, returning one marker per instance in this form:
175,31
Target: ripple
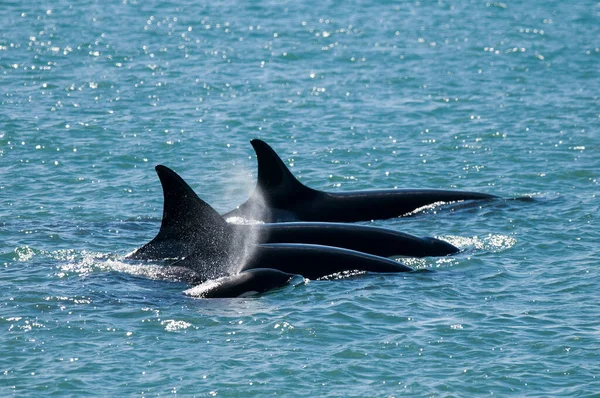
491,242
498,97
172,325
96,262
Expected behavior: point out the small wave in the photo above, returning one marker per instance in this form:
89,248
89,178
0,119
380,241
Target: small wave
415,263
71,300
21,323
426,208
172,325
22,253
426,264
341,275
27,253
98,262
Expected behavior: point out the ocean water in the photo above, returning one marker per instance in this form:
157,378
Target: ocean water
497,97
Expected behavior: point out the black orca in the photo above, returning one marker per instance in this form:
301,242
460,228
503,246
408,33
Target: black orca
279,197
367,239
188,224
247,283
206,244
316,261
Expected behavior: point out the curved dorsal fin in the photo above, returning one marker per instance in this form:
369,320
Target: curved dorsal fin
188,223
183,211
274,178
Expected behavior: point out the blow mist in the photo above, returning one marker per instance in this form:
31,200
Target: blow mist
245,239
243,244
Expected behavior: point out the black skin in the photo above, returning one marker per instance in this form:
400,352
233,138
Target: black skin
280,197
253,281
367,239
314,261
310,261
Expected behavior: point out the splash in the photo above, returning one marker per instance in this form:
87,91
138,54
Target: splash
24,253
491,242
172,325
90,263
341,275
415,263
430,207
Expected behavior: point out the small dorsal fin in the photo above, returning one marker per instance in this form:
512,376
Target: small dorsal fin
274,178
188,223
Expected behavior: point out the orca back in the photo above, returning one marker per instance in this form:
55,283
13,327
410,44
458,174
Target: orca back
188,224
275,183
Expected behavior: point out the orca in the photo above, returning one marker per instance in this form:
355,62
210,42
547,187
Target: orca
200,240
247,283
367,239
280,197
316,261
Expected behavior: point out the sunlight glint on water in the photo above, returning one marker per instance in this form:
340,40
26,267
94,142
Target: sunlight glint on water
496,97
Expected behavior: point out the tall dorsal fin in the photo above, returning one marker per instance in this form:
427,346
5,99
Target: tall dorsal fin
183,211
274,178
188,223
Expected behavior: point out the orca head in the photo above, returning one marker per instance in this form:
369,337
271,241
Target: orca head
190,229
247,283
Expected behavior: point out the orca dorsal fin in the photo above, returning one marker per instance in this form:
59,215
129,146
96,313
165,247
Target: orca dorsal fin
188,223
274,178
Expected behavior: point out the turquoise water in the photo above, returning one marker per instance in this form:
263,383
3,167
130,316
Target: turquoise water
495,97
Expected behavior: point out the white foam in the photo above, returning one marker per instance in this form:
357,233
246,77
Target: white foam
171,325
425,208
97,262
490,242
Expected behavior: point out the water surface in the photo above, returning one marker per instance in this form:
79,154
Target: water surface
493,97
